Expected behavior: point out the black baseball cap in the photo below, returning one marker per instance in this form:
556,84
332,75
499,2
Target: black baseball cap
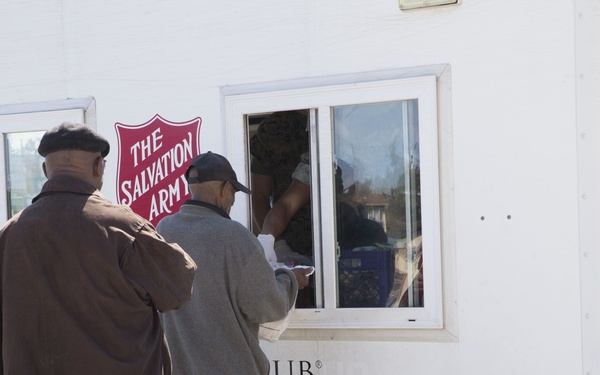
73,136
213,167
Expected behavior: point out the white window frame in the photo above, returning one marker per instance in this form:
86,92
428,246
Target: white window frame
38,117
437,319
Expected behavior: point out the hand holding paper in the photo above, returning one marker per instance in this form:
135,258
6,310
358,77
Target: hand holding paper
302,273
268,243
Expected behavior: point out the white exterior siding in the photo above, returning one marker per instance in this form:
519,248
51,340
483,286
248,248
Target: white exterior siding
525,94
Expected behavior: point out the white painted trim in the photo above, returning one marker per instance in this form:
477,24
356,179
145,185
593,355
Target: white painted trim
34,117
334,323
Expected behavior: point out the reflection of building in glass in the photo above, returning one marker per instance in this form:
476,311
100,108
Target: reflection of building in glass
376,212
24,172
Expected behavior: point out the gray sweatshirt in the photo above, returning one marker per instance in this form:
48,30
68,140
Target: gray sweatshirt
235,289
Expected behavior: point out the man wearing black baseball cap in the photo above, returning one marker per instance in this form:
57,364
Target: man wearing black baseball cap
213,167
82,278
235,288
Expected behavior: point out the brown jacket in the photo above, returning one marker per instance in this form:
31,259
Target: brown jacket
82,280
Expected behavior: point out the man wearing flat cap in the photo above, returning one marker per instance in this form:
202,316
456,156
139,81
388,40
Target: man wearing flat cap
82,278
235,289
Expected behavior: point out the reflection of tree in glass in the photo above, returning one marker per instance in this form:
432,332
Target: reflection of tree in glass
392,199
380,140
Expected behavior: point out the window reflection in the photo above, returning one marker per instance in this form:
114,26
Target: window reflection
378,205
23,169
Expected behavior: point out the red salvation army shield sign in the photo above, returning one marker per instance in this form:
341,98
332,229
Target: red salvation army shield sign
152,161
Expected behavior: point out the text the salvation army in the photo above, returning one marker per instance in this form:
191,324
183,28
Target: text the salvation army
157,171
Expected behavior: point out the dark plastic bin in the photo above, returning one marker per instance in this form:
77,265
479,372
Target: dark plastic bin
365,277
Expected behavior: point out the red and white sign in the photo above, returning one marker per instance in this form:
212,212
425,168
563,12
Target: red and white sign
152,161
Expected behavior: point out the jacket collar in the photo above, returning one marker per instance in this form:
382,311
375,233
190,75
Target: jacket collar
65,184
218,210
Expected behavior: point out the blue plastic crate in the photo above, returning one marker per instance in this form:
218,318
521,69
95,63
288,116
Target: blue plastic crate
365,277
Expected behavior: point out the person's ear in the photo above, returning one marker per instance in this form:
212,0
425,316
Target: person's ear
44,169
98,166
224,189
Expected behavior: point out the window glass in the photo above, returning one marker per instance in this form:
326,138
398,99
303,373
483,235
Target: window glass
377,197
371,184
23,169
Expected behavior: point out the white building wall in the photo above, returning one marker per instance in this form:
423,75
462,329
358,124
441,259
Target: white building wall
517,107
587,31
